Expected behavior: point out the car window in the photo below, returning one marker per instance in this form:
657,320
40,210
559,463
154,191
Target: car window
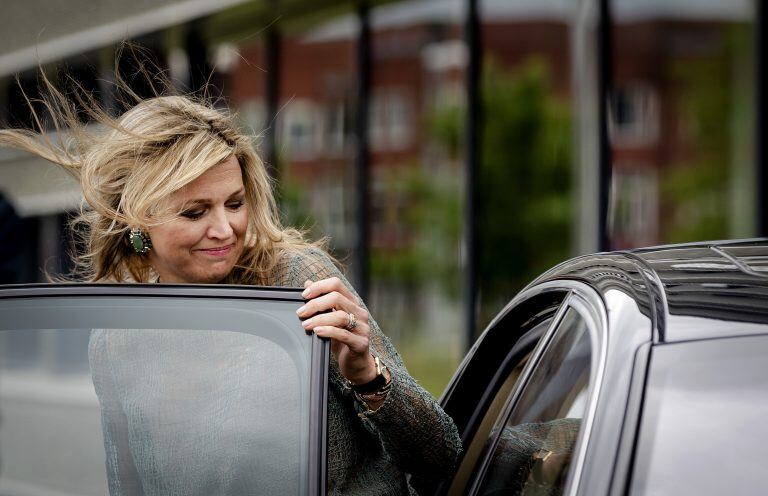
520,355
703,424
535,445
141,394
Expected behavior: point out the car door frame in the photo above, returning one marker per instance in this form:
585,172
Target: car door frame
590,306
320,348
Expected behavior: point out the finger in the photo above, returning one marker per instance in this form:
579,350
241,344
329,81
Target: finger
328,286
327,302
307,283
339,319
356,344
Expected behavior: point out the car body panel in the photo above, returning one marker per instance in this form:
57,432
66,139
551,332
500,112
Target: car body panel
651,296
703,424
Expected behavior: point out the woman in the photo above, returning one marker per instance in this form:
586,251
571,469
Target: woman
176,194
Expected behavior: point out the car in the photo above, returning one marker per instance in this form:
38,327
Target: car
631,372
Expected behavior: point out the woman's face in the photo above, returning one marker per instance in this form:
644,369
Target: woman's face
203,243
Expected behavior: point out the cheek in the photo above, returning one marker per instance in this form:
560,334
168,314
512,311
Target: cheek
173,237
240,223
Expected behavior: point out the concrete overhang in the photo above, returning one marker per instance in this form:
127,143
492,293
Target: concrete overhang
34,32
36,187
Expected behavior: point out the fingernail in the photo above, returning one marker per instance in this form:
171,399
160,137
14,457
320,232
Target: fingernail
301,310
306,293
307,323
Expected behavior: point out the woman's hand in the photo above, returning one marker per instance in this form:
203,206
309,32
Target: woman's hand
333,312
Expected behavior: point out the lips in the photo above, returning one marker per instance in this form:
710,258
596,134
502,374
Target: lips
217,251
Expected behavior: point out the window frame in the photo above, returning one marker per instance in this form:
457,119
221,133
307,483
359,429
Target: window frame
320,348
529,306
588,303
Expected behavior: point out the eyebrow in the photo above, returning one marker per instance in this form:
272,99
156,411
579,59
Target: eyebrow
202,201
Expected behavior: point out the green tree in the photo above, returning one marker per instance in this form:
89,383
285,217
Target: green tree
524,180
695,191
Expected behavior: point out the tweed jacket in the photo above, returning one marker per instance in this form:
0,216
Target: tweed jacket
368,452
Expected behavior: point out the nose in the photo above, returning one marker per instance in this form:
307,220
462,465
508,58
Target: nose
220,226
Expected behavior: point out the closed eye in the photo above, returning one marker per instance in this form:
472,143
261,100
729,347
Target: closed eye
193,214
235,205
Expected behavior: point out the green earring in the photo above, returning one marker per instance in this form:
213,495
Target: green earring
140,241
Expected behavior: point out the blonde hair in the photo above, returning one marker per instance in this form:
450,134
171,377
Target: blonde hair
128,166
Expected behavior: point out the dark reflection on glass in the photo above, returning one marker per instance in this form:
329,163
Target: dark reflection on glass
703,430
536,446
682,121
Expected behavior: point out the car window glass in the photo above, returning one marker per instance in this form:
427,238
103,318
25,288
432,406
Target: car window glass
536,443
523,349
153,396
703,426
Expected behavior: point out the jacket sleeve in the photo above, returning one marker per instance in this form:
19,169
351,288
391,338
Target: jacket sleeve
417,435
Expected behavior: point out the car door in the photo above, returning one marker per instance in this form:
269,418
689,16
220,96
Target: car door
156,389
546,350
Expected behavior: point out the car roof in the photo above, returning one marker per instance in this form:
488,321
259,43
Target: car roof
691,291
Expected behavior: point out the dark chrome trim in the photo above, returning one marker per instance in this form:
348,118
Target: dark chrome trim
152,290
318,424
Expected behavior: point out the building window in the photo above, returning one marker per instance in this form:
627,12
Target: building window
391,120
634,116
634,209
299,129
337,126
253,116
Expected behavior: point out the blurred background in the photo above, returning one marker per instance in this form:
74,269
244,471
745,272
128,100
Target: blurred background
451,149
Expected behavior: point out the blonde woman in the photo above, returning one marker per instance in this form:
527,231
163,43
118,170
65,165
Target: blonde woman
175,194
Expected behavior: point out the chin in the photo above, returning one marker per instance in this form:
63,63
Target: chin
215,276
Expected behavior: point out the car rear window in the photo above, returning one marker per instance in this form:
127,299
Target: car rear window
703,429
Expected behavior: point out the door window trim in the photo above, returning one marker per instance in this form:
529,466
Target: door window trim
590,306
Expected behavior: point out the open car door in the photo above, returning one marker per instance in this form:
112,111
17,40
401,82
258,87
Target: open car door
159,389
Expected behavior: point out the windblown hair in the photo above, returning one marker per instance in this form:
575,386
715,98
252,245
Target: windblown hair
128,166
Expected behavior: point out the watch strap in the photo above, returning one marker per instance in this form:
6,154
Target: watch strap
376,384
